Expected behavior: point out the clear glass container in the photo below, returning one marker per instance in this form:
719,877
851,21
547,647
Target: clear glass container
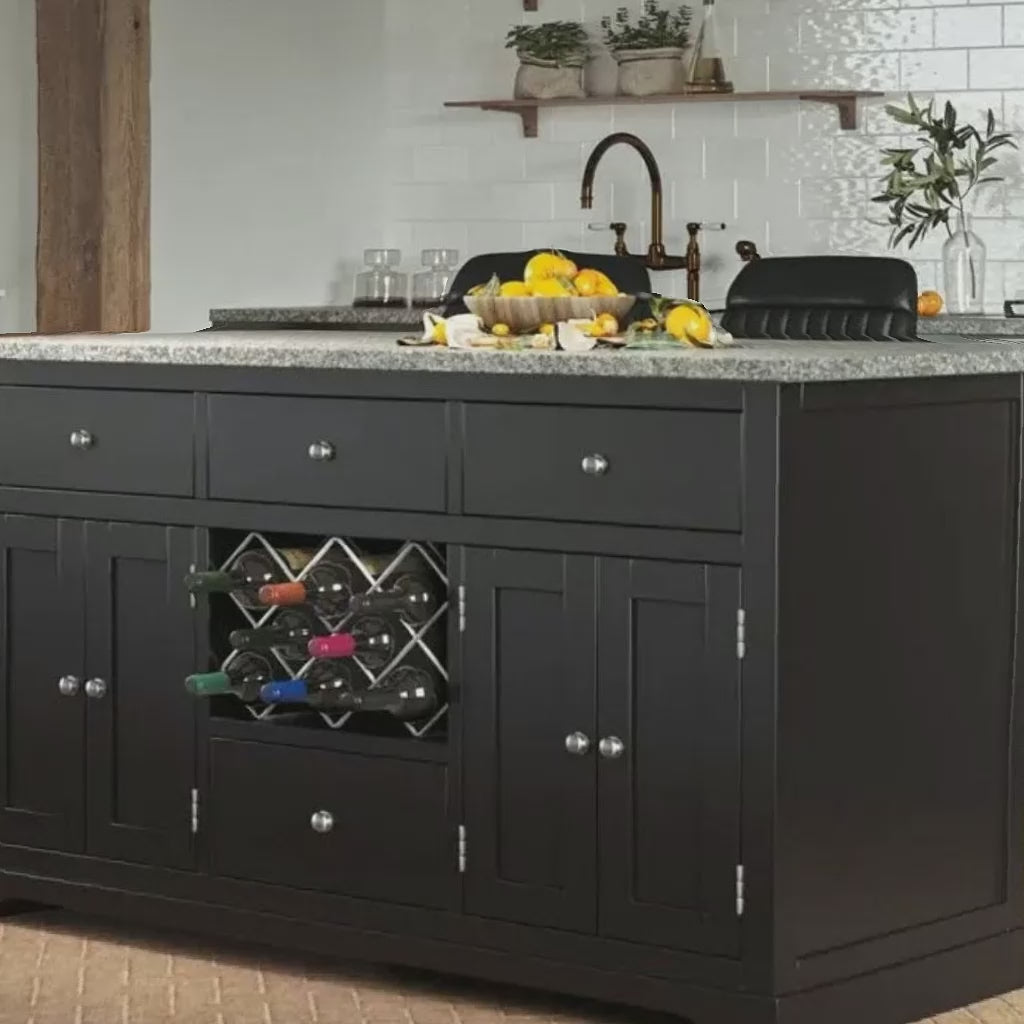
382,284
707,66
963,266
430,286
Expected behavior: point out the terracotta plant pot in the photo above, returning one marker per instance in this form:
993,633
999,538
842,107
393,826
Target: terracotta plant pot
548,80
651,72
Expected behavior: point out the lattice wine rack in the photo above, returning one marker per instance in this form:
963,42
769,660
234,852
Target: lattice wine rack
420,642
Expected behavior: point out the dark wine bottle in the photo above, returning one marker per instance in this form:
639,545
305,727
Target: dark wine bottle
409,694
318,688
243,677
251,570
368,637
328,586
289,631
410,595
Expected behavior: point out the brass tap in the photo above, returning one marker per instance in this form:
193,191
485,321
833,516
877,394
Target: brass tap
657,258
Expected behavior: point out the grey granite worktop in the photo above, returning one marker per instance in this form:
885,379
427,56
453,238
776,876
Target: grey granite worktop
346,317
748,361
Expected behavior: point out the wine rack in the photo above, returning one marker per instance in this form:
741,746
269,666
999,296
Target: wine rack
422,641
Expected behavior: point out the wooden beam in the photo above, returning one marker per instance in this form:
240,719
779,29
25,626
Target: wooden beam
92,260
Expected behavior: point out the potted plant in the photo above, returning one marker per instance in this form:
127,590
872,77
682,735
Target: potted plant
650,52
929,183
551,59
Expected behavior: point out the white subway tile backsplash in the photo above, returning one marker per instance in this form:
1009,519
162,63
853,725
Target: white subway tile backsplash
783,174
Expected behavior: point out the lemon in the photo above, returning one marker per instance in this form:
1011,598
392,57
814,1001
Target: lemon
690,322
548,329
439,335
590,282
501,330
552,288
547,265
608,325
514,289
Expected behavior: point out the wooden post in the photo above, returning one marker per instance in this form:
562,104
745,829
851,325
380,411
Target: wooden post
92,260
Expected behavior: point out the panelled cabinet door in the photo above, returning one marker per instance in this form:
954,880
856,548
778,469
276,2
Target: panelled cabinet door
669,754
41,701
141,721
527,685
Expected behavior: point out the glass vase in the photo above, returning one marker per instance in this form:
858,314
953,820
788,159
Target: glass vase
963,264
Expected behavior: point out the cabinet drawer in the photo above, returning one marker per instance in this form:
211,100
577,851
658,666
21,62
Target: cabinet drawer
648,467
389,836
327,451
130,442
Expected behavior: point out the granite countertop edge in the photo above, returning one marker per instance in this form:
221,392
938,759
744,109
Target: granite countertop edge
780,362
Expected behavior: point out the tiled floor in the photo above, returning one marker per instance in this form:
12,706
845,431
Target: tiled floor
56,968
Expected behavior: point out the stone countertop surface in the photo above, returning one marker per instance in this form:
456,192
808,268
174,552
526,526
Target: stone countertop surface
793,361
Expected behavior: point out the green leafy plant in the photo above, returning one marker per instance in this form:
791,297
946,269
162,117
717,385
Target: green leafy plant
563,42
655,29
932,180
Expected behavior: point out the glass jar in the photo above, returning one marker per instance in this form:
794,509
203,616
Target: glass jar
707,67
430,286
382,284
963,265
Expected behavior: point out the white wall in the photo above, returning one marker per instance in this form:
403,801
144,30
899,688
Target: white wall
17,164
288,137
265,170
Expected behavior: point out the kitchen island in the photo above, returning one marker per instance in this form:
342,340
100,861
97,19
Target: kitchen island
729,641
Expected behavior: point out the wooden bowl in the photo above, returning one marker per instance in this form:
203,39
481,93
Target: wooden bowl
525,315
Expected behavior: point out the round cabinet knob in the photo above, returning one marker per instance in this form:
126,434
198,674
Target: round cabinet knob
81,439
612,748
321,451
96,688
594,465
577,743
68,686
322,822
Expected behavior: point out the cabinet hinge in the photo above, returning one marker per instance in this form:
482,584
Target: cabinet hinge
741,633
462,849
462,608
741,891
195,811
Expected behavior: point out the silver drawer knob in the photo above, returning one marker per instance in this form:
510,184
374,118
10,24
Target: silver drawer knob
68,686
577,743
594,465
321,451
322,822
96,688
612,748
81,439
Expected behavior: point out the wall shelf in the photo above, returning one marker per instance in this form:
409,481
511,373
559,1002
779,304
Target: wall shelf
845,101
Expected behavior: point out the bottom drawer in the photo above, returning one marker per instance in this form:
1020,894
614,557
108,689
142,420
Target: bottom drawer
373,827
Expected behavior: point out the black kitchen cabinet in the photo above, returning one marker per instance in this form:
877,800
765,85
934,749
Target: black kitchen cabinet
99,735
733,729
602,741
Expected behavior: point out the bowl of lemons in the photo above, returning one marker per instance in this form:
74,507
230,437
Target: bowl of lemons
552,290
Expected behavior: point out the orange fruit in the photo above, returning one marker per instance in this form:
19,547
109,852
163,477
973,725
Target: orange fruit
929,303
690,322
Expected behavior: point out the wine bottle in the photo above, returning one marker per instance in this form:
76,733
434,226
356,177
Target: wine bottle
243,677
329,585
368,637
411,596
251,570
318,687
409,694
289,631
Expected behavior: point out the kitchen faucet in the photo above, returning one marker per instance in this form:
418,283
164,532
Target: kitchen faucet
656,258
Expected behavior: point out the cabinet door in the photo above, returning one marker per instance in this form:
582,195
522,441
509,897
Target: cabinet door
141,727
669,803
42,730
527,683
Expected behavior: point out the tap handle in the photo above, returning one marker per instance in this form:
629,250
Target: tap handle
621,249
695,226
747,251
